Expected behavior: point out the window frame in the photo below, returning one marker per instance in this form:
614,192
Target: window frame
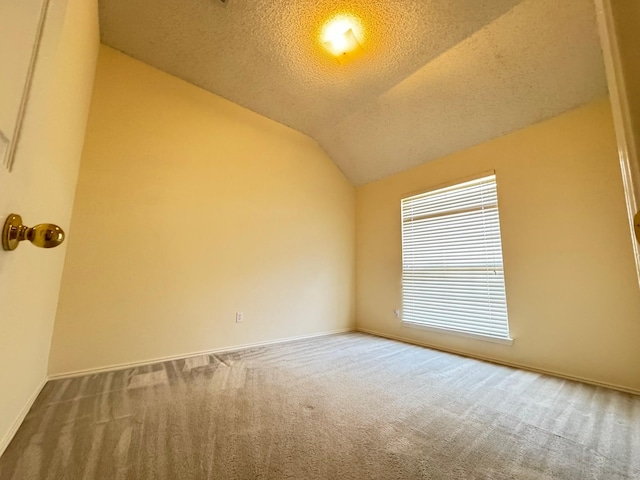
425,326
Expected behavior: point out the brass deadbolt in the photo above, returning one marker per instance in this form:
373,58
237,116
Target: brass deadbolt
45,235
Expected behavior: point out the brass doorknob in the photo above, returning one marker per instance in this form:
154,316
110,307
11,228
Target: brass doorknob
45,235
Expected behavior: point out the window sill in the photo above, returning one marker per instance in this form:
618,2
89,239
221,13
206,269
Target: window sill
475,336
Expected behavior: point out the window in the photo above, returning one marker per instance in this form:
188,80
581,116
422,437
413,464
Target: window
452,274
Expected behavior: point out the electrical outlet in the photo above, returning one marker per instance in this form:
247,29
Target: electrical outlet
239,317
396,312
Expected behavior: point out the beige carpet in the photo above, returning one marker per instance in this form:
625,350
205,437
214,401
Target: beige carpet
348,406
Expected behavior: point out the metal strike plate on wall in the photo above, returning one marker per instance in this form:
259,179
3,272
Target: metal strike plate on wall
45,235
636,225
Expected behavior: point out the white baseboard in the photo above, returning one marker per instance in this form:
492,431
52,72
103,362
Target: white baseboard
122,366
6,440
500,362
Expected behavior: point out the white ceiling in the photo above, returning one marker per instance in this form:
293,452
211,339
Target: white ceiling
435,76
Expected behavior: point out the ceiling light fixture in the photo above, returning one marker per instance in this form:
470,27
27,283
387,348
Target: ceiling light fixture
339,36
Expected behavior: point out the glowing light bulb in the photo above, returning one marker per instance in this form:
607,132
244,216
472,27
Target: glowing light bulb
339,38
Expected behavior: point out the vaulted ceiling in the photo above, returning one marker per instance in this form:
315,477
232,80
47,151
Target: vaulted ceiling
433,77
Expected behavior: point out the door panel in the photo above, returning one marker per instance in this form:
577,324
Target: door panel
618,22
41,188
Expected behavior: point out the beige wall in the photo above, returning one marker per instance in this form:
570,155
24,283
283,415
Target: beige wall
41,188
188,209
574,305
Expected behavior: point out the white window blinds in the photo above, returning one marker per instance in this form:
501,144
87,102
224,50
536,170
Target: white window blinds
452,275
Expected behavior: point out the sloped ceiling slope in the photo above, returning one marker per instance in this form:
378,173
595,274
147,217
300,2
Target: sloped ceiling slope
434,76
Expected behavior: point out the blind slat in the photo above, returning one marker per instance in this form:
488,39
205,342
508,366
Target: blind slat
452,273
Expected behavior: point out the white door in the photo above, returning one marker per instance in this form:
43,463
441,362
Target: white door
41,185
619,34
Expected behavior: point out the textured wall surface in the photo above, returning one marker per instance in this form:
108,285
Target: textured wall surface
435,76
572,295
190,208
41,188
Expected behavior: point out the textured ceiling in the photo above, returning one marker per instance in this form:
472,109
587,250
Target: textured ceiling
434,77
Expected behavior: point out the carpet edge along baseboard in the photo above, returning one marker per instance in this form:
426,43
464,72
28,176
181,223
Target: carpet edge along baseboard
140,363
564,376
6,439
